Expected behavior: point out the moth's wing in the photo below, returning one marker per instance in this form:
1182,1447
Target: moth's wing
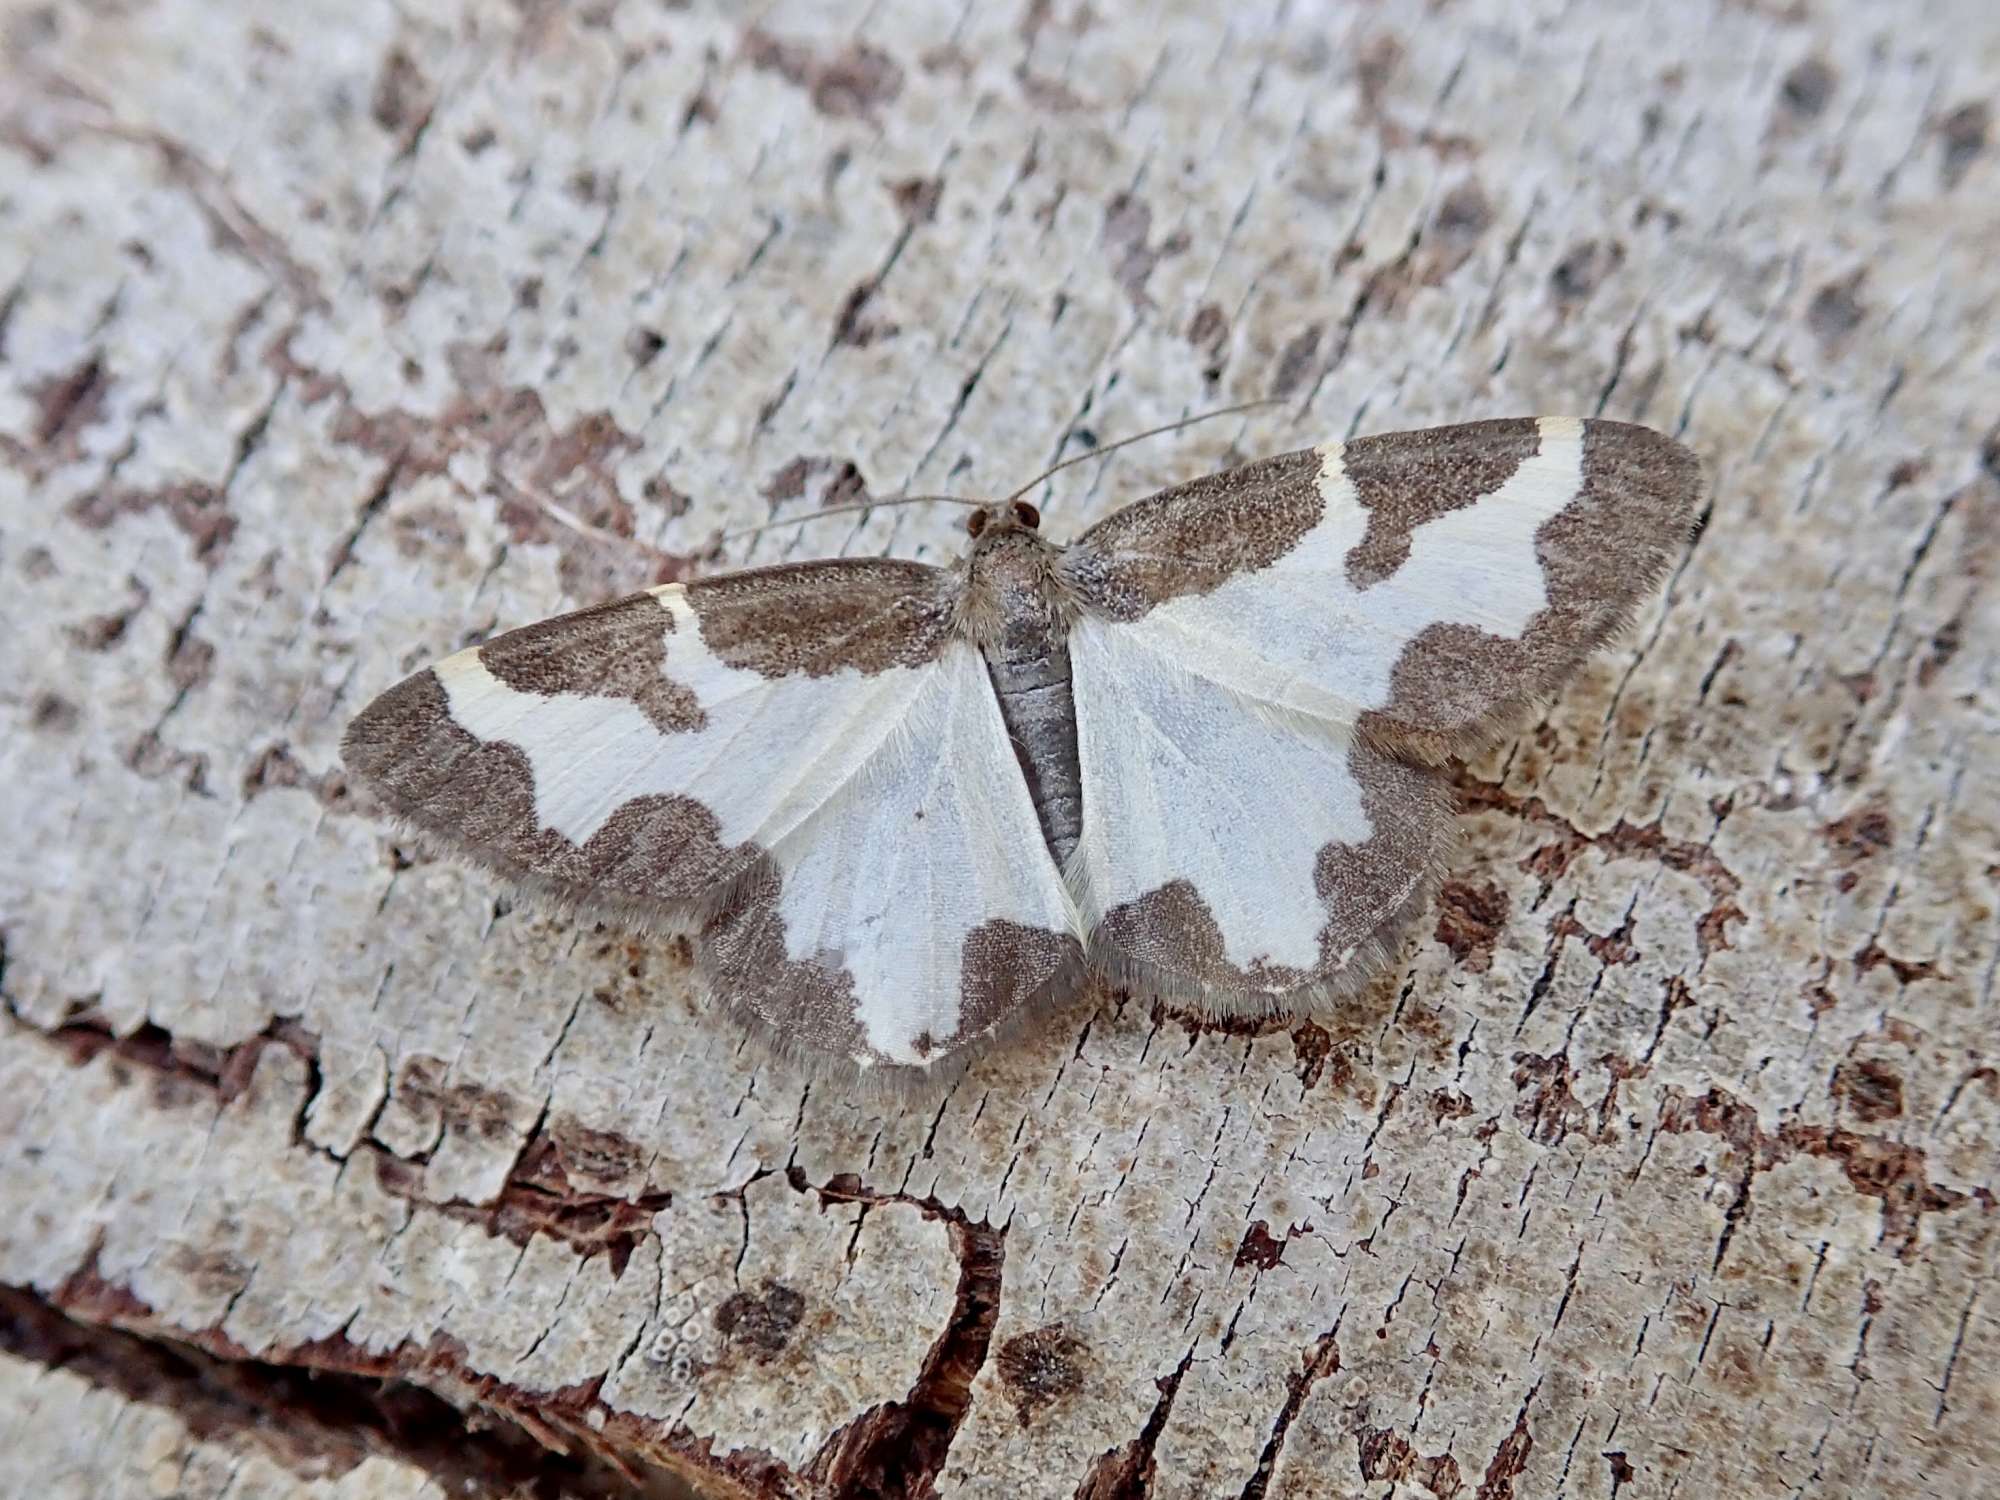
1269,658
1233,853
802,760
1422,586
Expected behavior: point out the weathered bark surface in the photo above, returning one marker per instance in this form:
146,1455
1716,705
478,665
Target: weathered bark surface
331,336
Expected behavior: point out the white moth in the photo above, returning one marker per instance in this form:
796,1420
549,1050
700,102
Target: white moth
1195,752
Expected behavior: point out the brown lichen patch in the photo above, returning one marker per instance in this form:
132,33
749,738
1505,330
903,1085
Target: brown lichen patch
1039,1367
589,1223
1448,1104
762,1321
1045,91
1907,971
553,485
1548,1106
852,83
101,632
565,1151
403,98
830,480
1807,89
1625,840
428,528
1128,225
1259,1249
1711,932
1387,1456
1470,921
475,1110
1871,1090
1835,311
1295,360
1862,834
276,767
66,406
189,659
1461,220
917,198
1892,1172
1311,1043
196,510
154,759
1316,1362
1583,268
1208,329
1608,948
1944,645
1375,66
1964,133
852,325
51,713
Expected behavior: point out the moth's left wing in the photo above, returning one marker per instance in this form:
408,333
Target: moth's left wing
1270,659
804,762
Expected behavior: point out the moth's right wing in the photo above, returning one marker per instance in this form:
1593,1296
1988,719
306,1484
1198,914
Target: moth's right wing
1421,586
804,759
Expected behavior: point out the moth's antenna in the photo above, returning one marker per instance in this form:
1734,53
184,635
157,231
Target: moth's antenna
1138,437
835,510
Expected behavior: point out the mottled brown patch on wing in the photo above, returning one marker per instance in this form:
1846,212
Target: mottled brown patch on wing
1601,555
615,650
656,853
1196,536
1361,885
807,1002
816,618
1005,967
1404,479
1170,930
1366,891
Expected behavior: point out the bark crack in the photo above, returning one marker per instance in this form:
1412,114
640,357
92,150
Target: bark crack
899,1448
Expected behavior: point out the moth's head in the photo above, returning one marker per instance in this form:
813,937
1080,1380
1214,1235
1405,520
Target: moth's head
991,522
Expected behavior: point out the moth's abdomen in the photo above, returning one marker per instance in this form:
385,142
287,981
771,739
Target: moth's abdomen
1030,670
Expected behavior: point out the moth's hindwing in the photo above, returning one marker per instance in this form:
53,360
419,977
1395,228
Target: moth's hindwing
1271,657
802,760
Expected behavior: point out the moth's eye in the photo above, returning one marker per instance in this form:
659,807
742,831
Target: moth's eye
1027,515
976,522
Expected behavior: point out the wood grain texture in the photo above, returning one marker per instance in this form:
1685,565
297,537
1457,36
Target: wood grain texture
335,337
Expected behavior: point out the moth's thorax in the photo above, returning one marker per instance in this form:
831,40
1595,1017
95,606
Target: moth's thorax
1014,597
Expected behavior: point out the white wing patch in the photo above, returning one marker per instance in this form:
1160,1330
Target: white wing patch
1185,778
1213,730
890,801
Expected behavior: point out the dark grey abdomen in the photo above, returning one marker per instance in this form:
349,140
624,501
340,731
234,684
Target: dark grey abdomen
1030,672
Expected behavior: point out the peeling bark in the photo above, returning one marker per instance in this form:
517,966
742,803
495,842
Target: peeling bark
1662,1164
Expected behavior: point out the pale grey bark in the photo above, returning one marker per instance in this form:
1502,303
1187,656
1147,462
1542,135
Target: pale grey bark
331,336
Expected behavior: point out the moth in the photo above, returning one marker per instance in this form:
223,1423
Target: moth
1199,752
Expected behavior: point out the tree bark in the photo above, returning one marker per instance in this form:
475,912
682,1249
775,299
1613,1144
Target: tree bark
332,337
